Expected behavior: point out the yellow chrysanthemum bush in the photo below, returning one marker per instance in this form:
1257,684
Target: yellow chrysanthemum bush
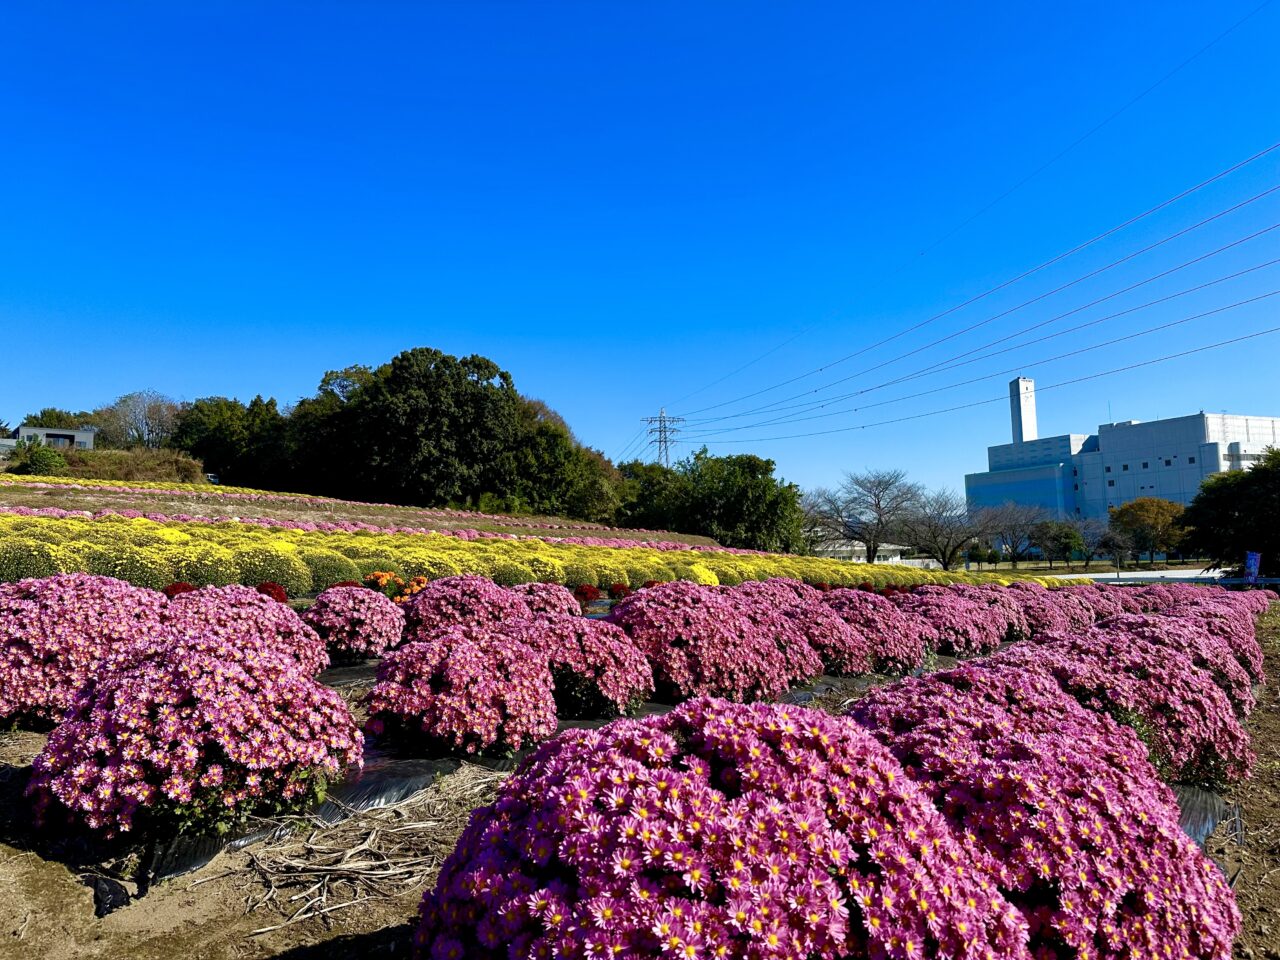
277,564
328,567
22,558
141,566
204,565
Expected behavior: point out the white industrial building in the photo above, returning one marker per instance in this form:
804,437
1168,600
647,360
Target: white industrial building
1084,475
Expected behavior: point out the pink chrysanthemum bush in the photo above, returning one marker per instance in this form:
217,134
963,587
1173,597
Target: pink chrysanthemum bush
1102,600
597,670
778,591
471,689
356,622
1185,720
800,662
1229,621
967,623
718,830
548,598
1050,611
844,651
56,633
1060,805
464,601
900,640
701,643
243,617
195,741
1188,635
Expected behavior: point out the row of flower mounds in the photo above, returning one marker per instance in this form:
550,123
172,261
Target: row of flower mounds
1023,824
396,769
476,601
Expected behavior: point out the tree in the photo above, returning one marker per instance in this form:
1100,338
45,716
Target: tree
867,508
1093,537
555,474
214,430
1150,523
1056,540
737,501
143,418
940,526
57,419
1236,513
1011,525
434,429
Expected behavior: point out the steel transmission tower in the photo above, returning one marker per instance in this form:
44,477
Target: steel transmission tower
663,430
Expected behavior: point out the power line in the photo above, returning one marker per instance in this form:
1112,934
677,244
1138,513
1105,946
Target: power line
1007,193
1005,397
784,402
999,373
1000,286
630,444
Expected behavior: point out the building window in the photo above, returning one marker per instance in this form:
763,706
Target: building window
1076,486
1075,472
1168,463
1125,468
1146,465
1108,469
1111,483
1191,459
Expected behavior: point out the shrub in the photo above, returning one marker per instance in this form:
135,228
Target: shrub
700,643
844,651
586,594
34,458
597,670
1059,804
459,689
508,573
457,602
966,624
355,621
205,565
700,574
577,573
22,559
56,633
141,566
274,591
197,742
215,618
1186,722
548,598
430,565
386,583
178,587
716,830
899,641
328,567
259,564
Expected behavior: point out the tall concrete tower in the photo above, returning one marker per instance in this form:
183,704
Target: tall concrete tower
1022,409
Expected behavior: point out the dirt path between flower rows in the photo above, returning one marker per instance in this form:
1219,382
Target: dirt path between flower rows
1258,885
47,913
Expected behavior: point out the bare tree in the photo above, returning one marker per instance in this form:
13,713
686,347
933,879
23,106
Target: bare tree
144,418
940,526
1012,526
1093,536
867,508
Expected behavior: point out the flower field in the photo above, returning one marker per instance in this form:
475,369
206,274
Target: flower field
307,557
1017,805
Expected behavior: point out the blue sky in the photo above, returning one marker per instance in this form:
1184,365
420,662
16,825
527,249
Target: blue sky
622,203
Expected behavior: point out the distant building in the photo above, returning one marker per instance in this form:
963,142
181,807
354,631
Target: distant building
56,437
1084,475
857,552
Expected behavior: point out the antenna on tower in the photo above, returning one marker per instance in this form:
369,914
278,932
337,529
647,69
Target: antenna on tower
663,430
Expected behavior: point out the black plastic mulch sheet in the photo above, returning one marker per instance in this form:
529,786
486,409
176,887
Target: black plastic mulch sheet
1200,811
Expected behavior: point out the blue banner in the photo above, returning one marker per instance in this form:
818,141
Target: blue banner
1252,564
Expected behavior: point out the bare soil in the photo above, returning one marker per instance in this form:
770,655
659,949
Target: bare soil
1258,861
